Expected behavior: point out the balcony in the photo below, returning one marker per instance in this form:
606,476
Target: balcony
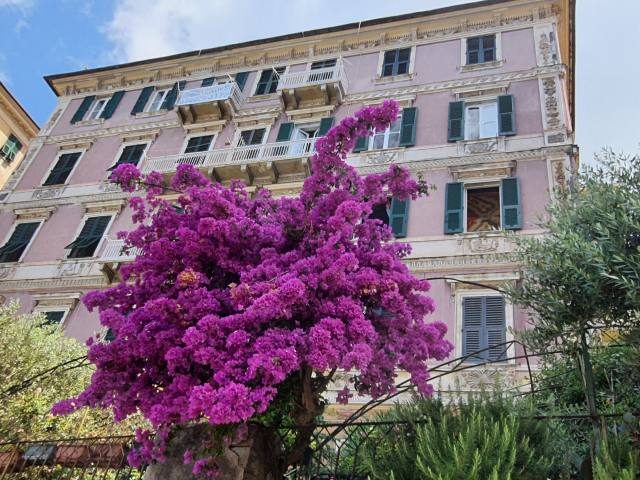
209,104
325,85
254,164
112,256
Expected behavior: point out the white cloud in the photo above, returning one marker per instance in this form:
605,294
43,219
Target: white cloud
23,5
21,25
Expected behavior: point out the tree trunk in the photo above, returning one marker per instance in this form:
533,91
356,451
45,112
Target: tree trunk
586,369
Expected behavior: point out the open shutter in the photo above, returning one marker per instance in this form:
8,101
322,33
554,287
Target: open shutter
495,328
325,125
82,109
408,127
61,170
361,144
472,326
111,105
511,209
506,115
398,217
241,79
284,134
456,121
90,235
20,238
454,206
172,96
142,100
207,82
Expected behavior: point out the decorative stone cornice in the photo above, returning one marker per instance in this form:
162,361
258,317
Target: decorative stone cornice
113,207
125,130
459,262
38,213
114,195
48,284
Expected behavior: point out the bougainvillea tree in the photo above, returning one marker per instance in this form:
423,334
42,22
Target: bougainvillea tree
236,299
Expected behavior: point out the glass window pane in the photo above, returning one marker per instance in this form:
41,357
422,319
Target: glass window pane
403,68
473,58
473,44
395,126
378,141
394,140
390,57
404,55
489,41
489,55
387,71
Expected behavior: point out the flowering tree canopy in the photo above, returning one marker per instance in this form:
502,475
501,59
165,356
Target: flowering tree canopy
233,297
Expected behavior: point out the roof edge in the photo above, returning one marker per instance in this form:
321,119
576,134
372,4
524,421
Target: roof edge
20,107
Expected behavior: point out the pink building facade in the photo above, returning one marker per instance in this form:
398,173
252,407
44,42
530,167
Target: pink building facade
487,117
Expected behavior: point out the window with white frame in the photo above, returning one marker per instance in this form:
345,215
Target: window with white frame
199,144
481,49
53,317
484,328
396,62
17,243
389,138
481,121
483,209
157,99
86,243
251,137
97,108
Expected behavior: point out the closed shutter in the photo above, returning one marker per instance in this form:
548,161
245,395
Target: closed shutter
495,327
325,125
90,235
472,327
506,115
241,79
361,144
142,100
82,109
111,105
454,207
18,241
511,208
62,169
408,127
399,217
484,328
207,82
456,121
172,96
284,134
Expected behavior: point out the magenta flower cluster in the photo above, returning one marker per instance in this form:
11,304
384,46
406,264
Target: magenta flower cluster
234,295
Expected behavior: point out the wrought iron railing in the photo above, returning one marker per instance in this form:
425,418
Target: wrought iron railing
314,77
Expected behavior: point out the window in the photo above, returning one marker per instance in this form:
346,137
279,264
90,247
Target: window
396,62
11,148
251,137
268,82
481,121
401,133
481,49
130,154
62,169
199,144
484,327
157,99
97,108
53,318
90,235
396,215
389,138
18,242
487,207
323,64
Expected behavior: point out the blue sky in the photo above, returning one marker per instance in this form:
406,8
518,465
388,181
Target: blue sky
42,37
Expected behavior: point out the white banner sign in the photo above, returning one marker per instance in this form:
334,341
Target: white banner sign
206,94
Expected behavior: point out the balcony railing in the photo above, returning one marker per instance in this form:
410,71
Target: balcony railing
234,156
313,77
212,94
113,251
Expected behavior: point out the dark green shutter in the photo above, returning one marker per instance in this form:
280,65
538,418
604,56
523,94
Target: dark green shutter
511,209
82,109
18,241
172,96
325,125
361,144
454,208
398,217
472,340
142,100
241,79
111,105
89,238
506,115
207,82
495,328
456,121
408,127
284,134
62,169
484,328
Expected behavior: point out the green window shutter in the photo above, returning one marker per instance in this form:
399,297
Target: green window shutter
511,208
207,82
130,154
398,217
82,109
506,115
18,241
241,79
111,105
495,328
284,134
142,100
172,96
325,125
62,169
472,331
11,148
454,208
408,127
456,121
89,238
361,144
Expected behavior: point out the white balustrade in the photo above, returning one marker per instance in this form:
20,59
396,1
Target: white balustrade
212,94
113,251
233,156
313,77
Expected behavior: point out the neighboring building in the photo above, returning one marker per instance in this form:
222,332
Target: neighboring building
486,91
17,129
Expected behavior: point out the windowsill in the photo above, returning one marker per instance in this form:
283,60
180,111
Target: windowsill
86,123
481,66
394,78
263,98
486,233
155,113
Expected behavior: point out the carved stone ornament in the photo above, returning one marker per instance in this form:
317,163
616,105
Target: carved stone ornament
112,207
45,193
482,244
379,158
478,377
559,175
107,186
552,108
37,213
6,271
557,138
52,120
71,269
